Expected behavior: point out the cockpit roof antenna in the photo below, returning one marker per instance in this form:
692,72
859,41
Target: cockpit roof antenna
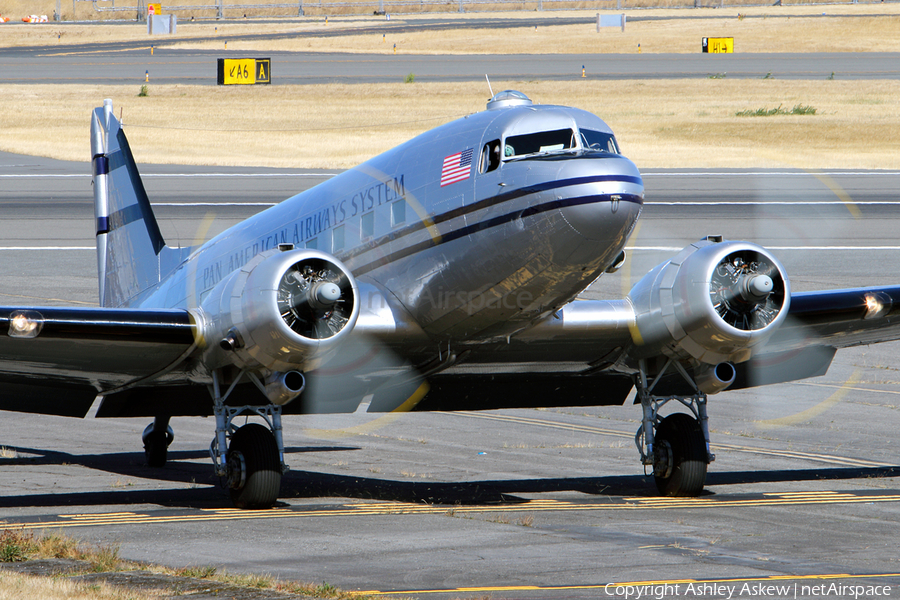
489,85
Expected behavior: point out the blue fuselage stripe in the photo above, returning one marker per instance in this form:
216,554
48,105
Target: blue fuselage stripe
495,222
494,201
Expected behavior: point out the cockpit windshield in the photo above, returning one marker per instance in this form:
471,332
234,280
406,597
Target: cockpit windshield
597,140
559,140
539,143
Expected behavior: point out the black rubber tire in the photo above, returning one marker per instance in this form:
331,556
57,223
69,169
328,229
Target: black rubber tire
263,467
156,449
689,456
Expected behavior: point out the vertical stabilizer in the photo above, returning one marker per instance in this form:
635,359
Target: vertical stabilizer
129,242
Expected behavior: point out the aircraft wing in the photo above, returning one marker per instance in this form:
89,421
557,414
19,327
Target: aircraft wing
840,318
56,360
577,356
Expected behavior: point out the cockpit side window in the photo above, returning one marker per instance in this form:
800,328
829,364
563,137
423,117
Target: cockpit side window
542,141
490,157
597,140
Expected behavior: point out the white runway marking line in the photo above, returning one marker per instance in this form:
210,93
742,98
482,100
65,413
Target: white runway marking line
782,248
772,174
643,174
771,203
634,248
177,204
64,248
150,175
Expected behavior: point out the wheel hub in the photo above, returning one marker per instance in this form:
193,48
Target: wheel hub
237,470
663,459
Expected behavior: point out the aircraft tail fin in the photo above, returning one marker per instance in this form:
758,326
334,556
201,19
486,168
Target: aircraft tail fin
129,242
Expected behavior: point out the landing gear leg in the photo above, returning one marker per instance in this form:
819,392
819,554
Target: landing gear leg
157,437
253,463
675,447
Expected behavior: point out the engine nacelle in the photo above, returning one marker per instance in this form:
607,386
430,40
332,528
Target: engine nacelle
714,302
283,311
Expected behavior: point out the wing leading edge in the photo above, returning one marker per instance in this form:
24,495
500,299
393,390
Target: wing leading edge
590,340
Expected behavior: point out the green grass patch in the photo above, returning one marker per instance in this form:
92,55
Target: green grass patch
16,546
798,109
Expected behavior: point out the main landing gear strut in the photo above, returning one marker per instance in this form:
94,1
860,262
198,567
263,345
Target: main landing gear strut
253,464
675,447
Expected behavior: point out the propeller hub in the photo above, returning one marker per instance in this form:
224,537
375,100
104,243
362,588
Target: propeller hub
757,288
315,298
325,294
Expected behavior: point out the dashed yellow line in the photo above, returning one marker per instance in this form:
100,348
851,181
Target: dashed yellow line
406,508
636,584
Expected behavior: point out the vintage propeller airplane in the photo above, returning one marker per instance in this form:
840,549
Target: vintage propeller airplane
441,274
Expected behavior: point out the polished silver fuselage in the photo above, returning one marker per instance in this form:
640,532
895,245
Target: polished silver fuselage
467,262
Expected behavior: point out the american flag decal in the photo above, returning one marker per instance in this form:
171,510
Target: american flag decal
456,167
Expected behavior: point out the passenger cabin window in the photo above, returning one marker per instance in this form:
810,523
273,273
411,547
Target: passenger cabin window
490,157
398,213
367,224
536,143
597,140
337,240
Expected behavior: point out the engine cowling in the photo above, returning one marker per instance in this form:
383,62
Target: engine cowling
282,311
714,302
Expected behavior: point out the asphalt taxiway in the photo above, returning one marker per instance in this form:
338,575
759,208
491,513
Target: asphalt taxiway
106,66
805,489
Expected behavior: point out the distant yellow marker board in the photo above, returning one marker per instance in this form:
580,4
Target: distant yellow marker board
244,71
718,45
154,8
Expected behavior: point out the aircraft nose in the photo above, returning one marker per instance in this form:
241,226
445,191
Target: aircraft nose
606,205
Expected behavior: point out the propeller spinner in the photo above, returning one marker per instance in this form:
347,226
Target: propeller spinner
744,293
314,299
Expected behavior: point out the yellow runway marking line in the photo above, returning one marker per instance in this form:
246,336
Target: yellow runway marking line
613,585
91,516
826,458
401,508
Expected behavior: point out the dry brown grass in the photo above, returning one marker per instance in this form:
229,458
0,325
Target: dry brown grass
659,123
807,33
795,34
15,586
83,11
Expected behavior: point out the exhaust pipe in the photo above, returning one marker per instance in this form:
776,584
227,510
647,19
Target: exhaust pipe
714,378
282,388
